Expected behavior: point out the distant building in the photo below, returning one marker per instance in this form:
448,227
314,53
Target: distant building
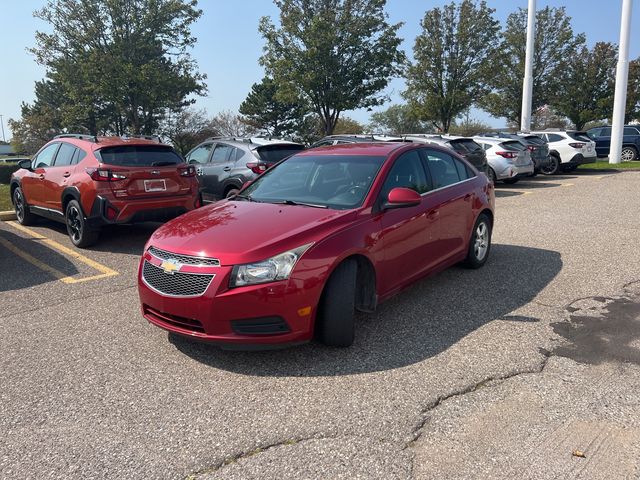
6,150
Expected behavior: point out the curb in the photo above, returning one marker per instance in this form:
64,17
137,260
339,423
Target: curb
8,215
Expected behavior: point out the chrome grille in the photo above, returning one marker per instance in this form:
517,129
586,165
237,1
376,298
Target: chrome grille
177,284
184,259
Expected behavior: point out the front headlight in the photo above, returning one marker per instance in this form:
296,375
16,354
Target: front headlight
270,270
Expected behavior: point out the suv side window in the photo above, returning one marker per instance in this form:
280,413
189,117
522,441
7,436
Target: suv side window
606,132
200,154
239,154
554,137
630,131
443,169
594,133
65,154
221,153
78,156
407,172
45,158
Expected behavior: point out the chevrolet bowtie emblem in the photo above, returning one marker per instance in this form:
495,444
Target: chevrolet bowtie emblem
170,266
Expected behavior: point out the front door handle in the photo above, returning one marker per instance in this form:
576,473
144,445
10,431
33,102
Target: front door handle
41,176
66,174
227,169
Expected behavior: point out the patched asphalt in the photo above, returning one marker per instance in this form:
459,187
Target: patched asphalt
90,390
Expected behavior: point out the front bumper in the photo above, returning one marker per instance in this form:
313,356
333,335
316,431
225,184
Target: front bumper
277,313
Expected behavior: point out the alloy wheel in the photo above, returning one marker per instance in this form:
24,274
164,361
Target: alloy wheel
627,154
481,244
18,202
551,167
74,223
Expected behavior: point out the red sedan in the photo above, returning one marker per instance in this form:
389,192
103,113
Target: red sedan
322,234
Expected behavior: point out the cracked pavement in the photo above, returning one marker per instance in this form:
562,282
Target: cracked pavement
468,374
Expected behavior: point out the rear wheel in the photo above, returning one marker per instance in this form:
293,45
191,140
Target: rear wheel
492,176
24,216
80,233
552,167
628,154
337,306
480,243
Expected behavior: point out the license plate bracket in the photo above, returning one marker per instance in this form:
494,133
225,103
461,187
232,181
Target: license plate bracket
155,185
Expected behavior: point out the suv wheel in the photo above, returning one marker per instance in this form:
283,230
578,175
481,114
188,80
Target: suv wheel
628,154
24,216
80,233
552,167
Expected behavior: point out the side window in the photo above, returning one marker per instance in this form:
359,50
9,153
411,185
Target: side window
65,154
239,154
594,132
630,131
78,156
606,132
407,172
45,158
464,172
443,169
221,153
200,154
554,137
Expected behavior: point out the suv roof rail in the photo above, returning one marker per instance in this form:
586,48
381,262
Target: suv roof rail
153,138
553,129
79,136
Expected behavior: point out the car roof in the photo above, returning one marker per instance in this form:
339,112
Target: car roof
96,143
358,148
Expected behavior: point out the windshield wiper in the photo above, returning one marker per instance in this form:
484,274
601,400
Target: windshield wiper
304,204
248,198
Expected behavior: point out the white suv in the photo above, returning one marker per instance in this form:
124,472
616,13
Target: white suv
568,150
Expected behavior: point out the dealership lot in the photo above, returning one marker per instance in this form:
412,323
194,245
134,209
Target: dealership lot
90,390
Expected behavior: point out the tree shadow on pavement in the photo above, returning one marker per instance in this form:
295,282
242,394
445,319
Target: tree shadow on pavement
419,323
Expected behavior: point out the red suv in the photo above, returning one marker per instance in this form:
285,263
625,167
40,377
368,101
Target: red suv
87,182
321,234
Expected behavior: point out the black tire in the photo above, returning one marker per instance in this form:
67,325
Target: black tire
335,323
479,248
511,181
553,167
21,207
80,233
492,176
628,154
231,192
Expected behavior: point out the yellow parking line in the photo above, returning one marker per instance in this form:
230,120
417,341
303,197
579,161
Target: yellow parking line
34,261
104,271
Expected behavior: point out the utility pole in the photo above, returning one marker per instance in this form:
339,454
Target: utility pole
527,86
622,77
2,125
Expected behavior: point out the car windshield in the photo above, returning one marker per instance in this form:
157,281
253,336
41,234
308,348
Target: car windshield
139,156
329,181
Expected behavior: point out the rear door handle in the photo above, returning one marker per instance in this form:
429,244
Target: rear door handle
227,169
41,176
66,174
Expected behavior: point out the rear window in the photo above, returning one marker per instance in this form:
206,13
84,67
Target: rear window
516,146
275,153
580,136
465,145
139,156
534,140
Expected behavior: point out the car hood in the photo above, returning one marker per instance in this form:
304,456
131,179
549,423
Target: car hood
241,232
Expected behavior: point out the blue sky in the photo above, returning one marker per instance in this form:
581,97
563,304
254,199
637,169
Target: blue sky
229,45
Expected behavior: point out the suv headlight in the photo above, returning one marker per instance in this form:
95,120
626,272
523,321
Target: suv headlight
270,270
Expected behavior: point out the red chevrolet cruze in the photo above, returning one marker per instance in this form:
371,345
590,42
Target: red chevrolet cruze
322,234
88,182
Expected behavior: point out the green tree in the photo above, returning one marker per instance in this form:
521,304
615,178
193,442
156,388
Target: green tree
265,111
336,55
346,126
396,119
451,61
555,43
230,124
589,85
187,128
122,63
632,113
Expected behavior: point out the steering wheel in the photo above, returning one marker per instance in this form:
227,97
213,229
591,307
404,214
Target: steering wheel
350,188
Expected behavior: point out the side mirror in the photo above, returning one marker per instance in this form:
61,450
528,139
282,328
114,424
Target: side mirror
26,164
401,197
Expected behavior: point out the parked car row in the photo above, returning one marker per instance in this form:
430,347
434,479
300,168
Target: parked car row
630,141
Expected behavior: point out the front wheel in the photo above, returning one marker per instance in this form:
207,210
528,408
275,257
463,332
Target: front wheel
335,325
552,167
80,233
480,243
24,216
492,175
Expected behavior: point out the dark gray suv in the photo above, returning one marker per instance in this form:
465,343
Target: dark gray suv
225,164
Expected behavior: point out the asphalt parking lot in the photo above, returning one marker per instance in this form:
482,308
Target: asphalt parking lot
510,371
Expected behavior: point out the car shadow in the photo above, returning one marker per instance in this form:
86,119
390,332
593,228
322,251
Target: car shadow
419,323
507,193
24,274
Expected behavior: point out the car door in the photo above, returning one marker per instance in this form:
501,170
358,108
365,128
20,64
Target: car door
603,142
453,199
410,234
216,171
57,175
33,183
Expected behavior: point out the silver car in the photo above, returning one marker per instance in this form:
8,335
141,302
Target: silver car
508,159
